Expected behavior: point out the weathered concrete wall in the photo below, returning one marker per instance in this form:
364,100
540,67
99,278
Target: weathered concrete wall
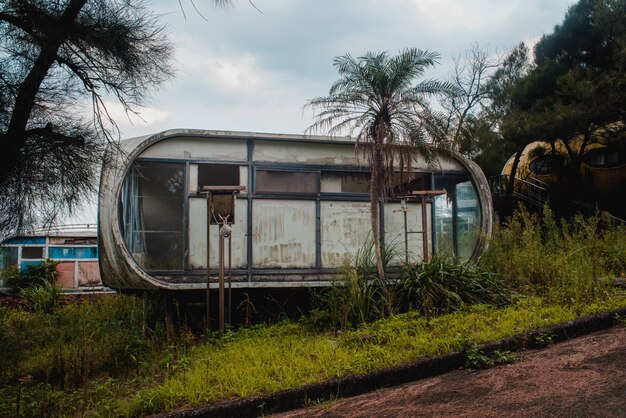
275,239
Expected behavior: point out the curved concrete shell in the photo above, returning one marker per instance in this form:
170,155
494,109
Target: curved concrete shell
301,207
602,169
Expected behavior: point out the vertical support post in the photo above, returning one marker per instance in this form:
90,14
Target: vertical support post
424,230
405,208
251,187
230,279
207,317
221,285
230,267
318,234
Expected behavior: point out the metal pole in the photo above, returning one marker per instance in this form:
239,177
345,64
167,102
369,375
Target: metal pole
405,208
221,286
424,229
207,317
230,279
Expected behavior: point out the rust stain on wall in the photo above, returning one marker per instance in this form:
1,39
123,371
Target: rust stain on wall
283,234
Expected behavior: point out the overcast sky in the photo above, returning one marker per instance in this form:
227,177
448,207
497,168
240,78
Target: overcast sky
246,71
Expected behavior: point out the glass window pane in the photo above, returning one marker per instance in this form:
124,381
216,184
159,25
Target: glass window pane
8,257
151,206
457,215
26,240
75,252
286,182
345,182
32,252
468,219
444,231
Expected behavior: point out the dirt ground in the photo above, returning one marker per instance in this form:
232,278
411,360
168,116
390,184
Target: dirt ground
583,377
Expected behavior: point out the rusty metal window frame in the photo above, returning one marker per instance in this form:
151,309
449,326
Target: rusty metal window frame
316,182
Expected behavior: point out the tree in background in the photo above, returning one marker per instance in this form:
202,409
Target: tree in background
59,57
578,85
471,74
474,122
506,139
377,99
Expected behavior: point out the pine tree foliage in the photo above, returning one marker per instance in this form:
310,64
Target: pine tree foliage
62,62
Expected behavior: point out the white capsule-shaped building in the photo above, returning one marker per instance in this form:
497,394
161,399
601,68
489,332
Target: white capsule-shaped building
301,209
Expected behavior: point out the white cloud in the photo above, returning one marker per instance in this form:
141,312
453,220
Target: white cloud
246,71
242,70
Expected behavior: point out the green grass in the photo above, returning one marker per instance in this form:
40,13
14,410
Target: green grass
271,358
113,369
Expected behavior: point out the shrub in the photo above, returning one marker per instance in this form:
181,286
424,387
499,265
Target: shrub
356,294
33,275
445,284
352,299
43,298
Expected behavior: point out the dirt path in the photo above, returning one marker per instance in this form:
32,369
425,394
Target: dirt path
584,377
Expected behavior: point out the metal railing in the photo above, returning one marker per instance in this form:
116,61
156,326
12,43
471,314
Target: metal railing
536,192
529,190
66,228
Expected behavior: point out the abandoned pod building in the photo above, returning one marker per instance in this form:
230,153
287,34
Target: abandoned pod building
297,206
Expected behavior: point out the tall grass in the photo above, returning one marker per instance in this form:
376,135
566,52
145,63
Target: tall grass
564,261
357,295
63,360
109,358
42,298
79,341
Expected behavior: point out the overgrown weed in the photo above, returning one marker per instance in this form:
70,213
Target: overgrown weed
569,262
111,357
445,284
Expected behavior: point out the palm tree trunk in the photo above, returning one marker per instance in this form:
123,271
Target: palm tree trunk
375,221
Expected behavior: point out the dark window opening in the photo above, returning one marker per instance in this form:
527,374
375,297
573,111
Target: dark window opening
406,183
81,241
546,164
8,257
32,252
218,175
603,157
287,182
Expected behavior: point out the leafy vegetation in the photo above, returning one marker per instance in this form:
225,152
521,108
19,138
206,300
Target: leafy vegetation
445,284
42,297
570,263
110,356
33,275
35,284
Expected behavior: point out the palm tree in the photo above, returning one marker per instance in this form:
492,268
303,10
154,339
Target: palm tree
375,98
